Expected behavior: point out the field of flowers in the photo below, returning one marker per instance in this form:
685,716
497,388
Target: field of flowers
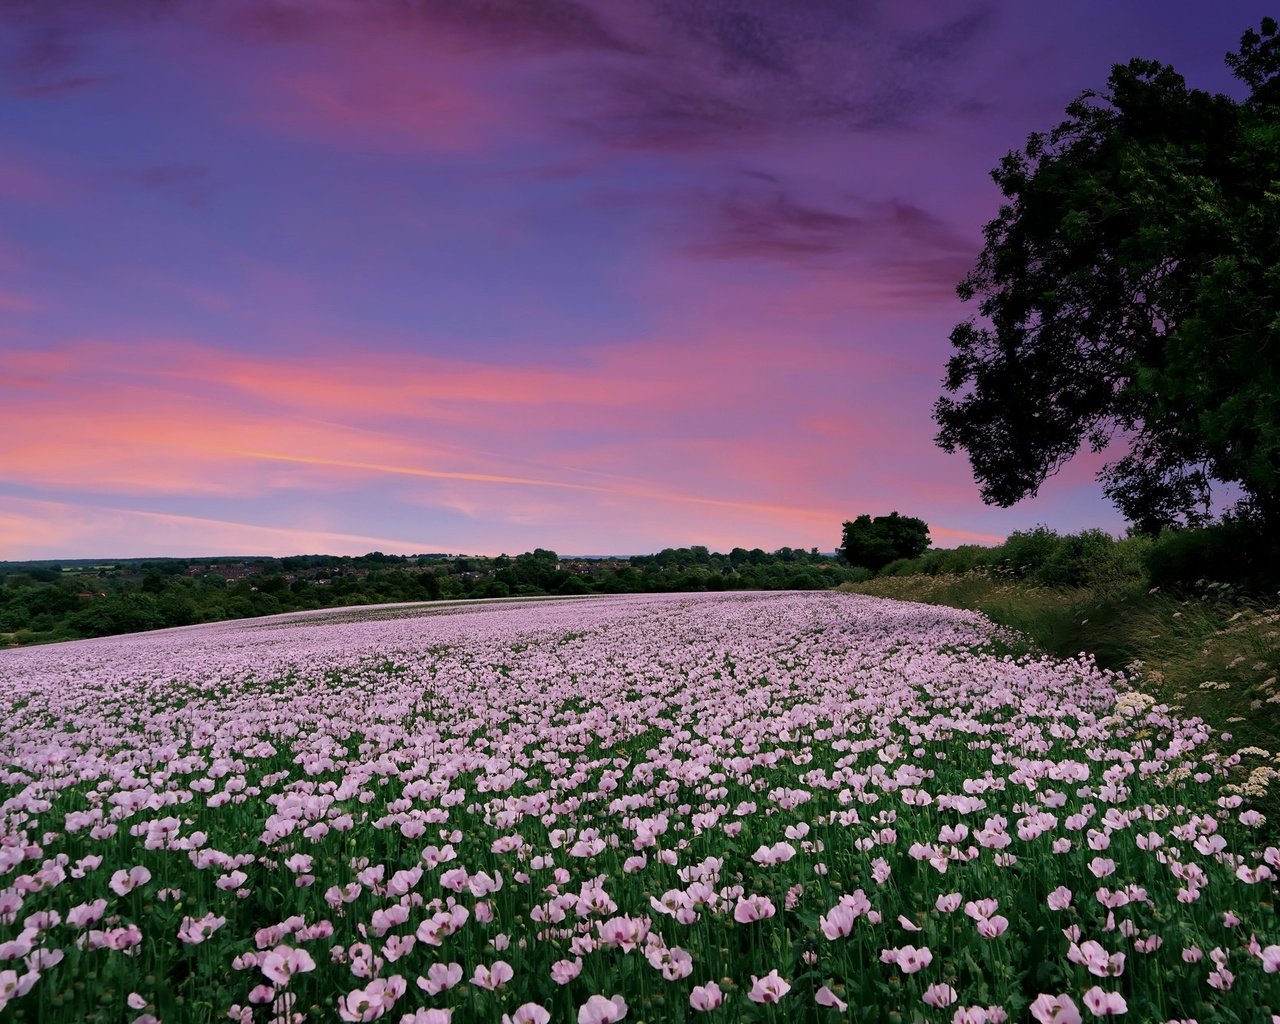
785,807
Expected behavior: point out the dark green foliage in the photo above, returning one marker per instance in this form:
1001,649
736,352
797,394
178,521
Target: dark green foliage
934,563
1078,560
875,543
1024,552
1129,288
1234,552
39,603
127,613
1087,559
859,574
864,545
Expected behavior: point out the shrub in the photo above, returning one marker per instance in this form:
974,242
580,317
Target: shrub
1124,567
1025,552
1078,560
1234,551
954,561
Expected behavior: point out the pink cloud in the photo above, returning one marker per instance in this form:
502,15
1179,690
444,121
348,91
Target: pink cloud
513,444
11,302
23,179
370,83
32,528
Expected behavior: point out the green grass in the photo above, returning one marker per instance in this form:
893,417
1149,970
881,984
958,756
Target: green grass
1214,654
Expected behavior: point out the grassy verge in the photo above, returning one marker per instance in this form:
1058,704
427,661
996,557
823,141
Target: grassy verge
1214,654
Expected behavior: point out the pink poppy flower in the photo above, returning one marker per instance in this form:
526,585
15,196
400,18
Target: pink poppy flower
483,884
86,913
1055,1009
527,1013
908,959
991,927
948,903
624,933
769,989
1103,1004
231,880
706,997
564,971
124,882
1221,979
283,962
1102,866
753,908
1096,959
193,931
674,963
441,925
433,1016
1059,899
398,946
599,1010
372,1001
837,922
440,977
778,853
494,977
940,995
825,997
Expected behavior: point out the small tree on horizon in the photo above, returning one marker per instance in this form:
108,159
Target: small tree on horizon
874,543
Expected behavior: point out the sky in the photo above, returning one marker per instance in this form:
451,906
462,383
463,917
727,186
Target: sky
600,276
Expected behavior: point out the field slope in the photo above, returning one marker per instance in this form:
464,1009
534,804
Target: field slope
799,807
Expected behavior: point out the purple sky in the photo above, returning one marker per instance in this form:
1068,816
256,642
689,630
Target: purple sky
485,275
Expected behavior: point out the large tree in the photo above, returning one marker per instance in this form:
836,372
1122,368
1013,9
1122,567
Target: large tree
1128,294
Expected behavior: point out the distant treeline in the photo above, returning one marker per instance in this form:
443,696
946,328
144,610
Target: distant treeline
43,601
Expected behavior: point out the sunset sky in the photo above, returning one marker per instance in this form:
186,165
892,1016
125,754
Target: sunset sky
284,276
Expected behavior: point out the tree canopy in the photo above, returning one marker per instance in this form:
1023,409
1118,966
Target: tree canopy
41,602
874,543
1128,294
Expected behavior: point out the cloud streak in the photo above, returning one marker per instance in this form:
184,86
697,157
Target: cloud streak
189,422
792,513
37,525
